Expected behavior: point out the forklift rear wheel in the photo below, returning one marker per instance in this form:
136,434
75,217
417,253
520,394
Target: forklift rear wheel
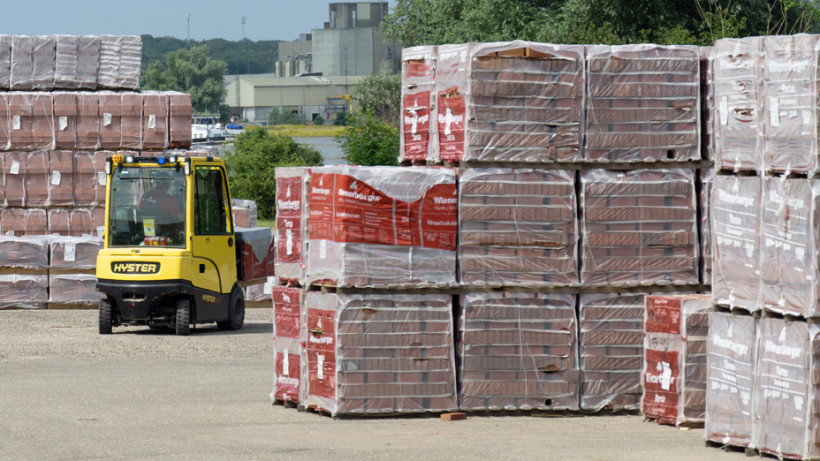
183,325
106,317
236,312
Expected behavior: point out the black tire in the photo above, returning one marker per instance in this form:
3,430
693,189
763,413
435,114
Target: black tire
236,311
106,316
183,323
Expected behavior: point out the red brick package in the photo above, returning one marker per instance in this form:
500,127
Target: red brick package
36,180
24,221
639,227
737,229
131,120
291,222
244,213
517,227
786,388
287,349
74,252
419,129
790,84
254,252
380,353
518,351
791,226
451,96
730,379
29,291
72,288
88,122
674,376
611,331
382,226
155,120
738,76
65,120
31,121
643,103
180,113
24,252
61,178
89,178
110,120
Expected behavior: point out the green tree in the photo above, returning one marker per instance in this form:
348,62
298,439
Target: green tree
380,96
242,56
252,161
190,71
318,120
368,140
341,119
280,116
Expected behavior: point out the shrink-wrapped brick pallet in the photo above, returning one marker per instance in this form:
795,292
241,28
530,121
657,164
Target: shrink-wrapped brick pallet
737,229
705,196
24,252
31,121
120,60
738,87
26,290
382,227
674,377
707,103
790,88
23,221
786,388
518,351
288,385
611,330
639,228
643,104
451,96
790,249
731,350
517,227
244,212
254,252
89,178
380,353
76,62
291,222
419,127
32,62
69,288
73,252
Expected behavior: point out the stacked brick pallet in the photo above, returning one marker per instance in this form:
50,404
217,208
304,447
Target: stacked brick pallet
66,103
762,346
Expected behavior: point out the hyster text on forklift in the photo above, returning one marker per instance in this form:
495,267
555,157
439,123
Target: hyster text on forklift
169,257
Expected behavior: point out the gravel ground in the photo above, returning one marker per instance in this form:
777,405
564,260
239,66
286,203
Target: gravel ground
73,333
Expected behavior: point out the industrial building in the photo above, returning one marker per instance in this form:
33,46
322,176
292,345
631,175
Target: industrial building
316,73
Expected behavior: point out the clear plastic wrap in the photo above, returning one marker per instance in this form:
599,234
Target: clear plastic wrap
707,103
5,61
707,178
525,103
786,389
24,252
291,224
31,121
382,226
66,62
180,113
790,279
110,120
72,288
254,252
790,89
287,347
418,134
451,95
35,179
380,353
24,221
517,227
738,86
110,49
643,103
611,332
155,120
244,212
88,62
74,253
61,178
674,375
89,178
32,62
14,176
130,58
88,121
639,228
257,293
518,351
65,120
737,229
131,120
28,291
730,362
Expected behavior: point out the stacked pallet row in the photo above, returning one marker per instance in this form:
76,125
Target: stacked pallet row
762,348
67,103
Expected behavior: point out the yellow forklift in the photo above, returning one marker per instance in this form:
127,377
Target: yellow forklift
169,257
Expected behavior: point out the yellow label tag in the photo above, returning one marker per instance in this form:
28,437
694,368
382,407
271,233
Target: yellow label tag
148,227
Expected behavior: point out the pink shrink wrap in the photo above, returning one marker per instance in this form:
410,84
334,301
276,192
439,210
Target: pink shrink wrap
639,227
517,227
737,236
644,103
518,351
382,226
674,375
738,88
731,352
419,130
358,364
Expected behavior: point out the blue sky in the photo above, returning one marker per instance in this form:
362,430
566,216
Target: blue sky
266,19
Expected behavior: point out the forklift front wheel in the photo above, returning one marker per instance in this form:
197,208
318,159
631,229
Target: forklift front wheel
183,324
236,312
106,316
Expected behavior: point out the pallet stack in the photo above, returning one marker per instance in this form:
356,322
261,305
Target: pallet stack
66,103
765,254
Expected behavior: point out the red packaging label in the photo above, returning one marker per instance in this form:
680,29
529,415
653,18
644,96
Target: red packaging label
320,330
289,241
286,311
417,68
451,112
662,371
287,376
436,216
322,373
661,405
289,197
663,315
416,115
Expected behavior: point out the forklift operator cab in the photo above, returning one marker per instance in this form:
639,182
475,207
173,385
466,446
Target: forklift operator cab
169,256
